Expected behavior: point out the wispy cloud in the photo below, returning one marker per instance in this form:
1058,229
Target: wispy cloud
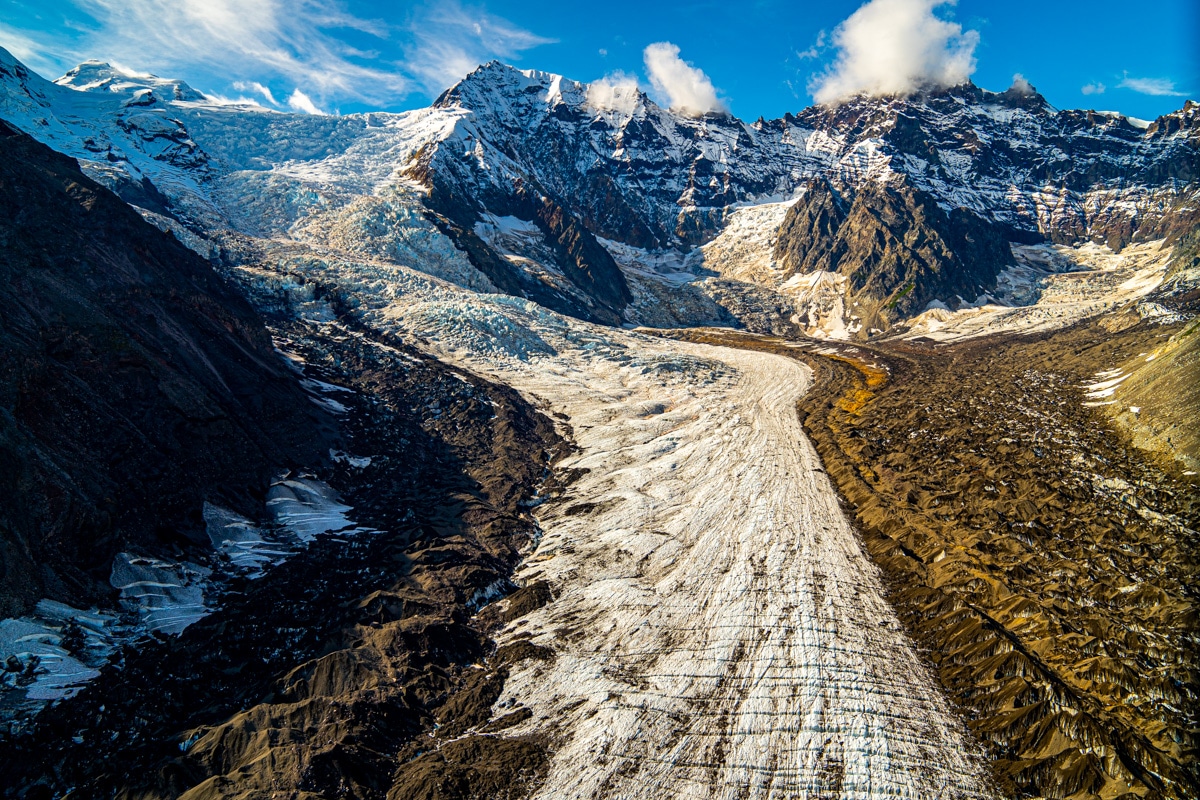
294,41
686,88
896,47
1159,87
1093,88
817,47
33,51
301,102
449,40
258,88
276,48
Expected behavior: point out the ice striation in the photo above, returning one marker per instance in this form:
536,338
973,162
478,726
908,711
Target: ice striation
718,630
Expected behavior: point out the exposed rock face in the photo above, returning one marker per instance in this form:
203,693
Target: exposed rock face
970,168
898,248
134,385
649,177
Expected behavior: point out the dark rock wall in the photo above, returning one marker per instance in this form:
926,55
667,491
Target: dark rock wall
134,385
898,248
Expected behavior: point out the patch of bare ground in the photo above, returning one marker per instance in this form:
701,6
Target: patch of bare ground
1047,566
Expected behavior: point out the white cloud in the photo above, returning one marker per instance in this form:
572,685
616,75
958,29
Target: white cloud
1021,86
255,86
1093,88
450,40
616,92
817,47
686,88
301,102
896,47
1159,87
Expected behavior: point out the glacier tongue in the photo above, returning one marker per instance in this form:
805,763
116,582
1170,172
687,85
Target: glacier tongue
718,630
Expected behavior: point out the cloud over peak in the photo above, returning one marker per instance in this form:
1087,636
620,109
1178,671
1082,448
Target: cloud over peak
616,92
896,47
686,88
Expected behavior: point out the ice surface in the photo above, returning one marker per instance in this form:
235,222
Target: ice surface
307,508
241,541
167,596
49,670
718,628
1065,285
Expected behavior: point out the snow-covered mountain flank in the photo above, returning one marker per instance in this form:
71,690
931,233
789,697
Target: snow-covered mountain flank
599,203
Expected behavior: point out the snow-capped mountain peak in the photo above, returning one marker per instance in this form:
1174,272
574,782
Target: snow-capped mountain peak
100,76
603,171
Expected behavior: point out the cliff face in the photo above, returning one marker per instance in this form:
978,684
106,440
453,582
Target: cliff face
897,247
134,385
640,174
921,194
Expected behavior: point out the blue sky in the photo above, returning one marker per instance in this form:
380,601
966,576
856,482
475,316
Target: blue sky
755,58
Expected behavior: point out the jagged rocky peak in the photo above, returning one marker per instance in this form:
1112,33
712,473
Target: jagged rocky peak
497,85
629,169
100,76
1185,121
869,115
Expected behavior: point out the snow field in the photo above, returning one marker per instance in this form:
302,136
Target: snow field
1100,280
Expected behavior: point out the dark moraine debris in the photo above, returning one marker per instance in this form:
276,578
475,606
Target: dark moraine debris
1045,563
336,673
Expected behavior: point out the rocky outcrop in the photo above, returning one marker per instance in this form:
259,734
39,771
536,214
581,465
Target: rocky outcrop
135,384
899,249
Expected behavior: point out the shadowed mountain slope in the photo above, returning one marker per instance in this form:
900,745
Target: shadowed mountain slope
134,385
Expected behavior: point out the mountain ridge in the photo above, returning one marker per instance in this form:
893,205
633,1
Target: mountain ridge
589,169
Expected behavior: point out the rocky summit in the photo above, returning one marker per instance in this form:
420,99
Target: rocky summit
547,442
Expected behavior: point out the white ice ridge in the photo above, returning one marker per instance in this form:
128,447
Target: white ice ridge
719,631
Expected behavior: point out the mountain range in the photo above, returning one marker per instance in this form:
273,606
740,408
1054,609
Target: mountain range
595,201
